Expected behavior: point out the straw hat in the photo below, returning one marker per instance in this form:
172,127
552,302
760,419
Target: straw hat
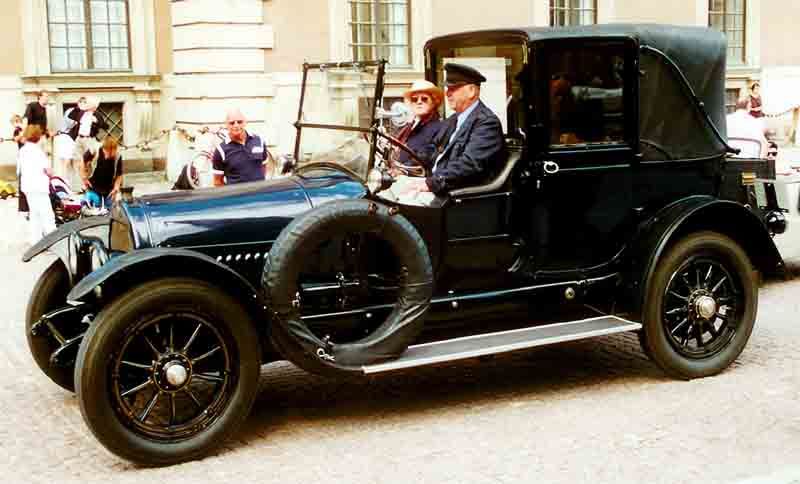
427,87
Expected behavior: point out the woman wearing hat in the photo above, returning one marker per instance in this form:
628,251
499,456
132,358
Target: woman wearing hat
424,98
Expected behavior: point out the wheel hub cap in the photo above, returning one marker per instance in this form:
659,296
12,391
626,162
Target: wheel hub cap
706,307
173,372
176,374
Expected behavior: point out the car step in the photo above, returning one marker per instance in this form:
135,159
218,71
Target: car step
503,342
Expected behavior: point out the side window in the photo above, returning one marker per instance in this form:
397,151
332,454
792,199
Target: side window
587,94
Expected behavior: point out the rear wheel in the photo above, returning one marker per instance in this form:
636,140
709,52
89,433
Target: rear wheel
701,306
50,293
168,372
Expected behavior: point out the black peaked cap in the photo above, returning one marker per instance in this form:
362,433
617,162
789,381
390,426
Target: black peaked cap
462,74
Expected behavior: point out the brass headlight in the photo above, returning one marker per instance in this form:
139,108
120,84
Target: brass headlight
379,180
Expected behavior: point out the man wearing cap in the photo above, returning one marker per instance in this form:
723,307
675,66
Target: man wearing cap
471,147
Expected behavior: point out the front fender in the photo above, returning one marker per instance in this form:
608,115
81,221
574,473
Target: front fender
124,270
694,214
58,242
61,233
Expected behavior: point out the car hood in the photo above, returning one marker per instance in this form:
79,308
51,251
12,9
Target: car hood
236,214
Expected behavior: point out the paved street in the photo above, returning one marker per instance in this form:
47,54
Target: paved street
592,411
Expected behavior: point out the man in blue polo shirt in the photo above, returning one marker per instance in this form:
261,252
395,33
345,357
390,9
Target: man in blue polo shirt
243,157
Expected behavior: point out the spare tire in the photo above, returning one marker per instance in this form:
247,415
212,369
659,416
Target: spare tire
293,247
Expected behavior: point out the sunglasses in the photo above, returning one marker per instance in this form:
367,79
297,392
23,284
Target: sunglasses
420,98
236,121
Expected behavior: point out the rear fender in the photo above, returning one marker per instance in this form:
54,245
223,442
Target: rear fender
693,214
125,271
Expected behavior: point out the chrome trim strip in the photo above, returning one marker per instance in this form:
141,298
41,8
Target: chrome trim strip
479,238
520,330
410,363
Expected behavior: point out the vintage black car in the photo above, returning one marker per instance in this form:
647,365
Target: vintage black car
617,210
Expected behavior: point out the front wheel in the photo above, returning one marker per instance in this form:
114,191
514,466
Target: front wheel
168,371
700,306
50,293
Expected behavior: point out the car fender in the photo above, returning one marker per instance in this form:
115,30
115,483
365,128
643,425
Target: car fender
122,271
58,241
61,233
691,214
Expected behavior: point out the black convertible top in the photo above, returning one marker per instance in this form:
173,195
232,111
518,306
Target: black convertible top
670,123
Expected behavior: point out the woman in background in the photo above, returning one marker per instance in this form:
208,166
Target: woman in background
35,184
756,110
22,201
106,175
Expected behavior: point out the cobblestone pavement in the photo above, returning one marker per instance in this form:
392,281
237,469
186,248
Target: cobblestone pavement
590,411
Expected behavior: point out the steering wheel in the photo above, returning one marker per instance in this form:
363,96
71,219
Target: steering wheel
393,164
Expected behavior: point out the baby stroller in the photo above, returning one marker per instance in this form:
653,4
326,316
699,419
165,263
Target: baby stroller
66,205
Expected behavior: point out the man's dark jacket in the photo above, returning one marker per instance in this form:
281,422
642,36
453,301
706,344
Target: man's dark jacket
477,152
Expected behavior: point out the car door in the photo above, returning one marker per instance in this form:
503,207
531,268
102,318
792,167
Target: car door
580,206
479,235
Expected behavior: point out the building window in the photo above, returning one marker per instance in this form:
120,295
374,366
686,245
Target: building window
731,97
88,35
728,16
380,29
573,12
111,113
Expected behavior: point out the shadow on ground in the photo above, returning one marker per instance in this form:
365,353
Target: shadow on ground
289,395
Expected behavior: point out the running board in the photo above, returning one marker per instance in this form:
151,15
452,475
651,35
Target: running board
503,342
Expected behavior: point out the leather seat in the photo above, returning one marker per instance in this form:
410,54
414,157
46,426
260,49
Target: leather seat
493,185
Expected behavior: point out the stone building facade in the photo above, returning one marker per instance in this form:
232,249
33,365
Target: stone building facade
158,64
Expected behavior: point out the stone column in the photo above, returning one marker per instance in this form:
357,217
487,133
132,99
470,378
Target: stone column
144,128
219,62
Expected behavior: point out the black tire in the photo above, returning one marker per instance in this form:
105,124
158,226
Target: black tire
205,323
49,293
295,246
704,273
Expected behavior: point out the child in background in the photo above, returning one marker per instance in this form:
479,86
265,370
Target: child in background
35,184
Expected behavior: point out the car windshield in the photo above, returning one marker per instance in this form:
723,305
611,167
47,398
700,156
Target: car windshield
337,115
